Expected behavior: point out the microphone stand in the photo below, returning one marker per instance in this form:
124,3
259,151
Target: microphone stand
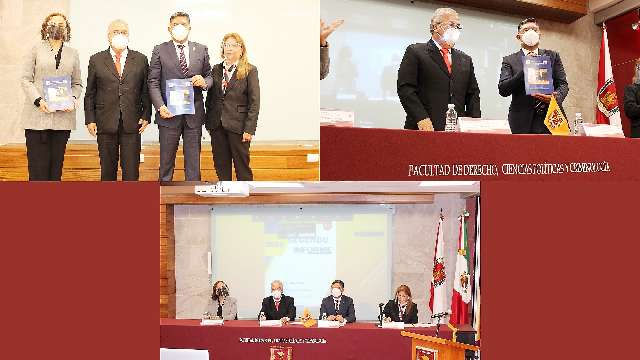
380,316
439,317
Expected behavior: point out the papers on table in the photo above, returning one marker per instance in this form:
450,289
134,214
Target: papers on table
424,325
329,324
57,92
538,77
393,325
209,322
179,93
601,130
483,126
337,117
270,323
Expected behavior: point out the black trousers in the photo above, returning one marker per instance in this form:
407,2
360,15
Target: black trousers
169,141
45,153
123,147
228,148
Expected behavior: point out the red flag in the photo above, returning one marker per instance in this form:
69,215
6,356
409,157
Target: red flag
607,111
437,301
462,280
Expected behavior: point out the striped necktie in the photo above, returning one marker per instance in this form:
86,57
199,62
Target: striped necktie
226,77
183,61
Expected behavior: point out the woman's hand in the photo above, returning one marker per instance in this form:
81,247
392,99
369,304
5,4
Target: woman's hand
246,137
44,108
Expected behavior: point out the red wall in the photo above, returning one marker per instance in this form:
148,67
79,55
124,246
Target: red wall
624,46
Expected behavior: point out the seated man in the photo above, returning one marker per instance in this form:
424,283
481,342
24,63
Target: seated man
338,307
278,306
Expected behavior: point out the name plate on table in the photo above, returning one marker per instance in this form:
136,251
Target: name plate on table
336,117
538,77
270,323
483,126
601,130
209,322
329,324
393,325
180,96
57,92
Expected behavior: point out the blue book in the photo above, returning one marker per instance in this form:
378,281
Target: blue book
57,92
538,76
179,93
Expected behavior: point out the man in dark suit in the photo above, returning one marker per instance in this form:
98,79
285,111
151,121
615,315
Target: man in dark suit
434,74
278,306
527,112
337,306
179,59
116,104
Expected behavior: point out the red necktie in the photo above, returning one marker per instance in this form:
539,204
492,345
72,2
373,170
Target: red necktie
118,64
277,305
445,56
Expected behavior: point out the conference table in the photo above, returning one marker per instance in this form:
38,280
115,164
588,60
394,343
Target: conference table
245,339
359,154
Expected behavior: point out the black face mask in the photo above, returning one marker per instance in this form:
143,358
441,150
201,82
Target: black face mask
57,32
223,291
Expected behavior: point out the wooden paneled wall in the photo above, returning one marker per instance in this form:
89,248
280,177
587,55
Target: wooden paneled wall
167,263
270,162
565,11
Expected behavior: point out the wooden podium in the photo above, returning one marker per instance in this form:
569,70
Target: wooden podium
432,348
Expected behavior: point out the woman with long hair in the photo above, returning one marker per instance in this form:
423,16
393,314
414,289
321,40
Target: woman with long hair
221,305
632,101
401,308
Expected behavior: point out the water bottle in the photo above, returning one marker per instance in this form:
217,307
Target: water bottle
262,316
577,123
324,316
451,124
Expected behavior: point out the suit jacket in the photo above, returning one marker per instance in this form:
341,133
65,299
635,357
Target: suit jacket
40,63
286,308
425,86
324,61
229,308
522,112
346,309
165,66
237,109
632,107
391,310
107,95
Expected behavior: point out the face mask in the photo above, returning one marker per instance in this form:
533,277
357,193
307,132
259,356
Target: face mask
451,36
119,42
530,38
222,291
56,32
335,292
180,32
276,294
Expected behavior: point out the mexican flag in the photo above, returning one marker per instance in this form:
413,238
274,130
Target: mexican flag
437,300
462,281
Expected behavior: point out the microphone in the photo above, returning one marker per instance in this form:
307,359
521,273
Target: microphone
380,317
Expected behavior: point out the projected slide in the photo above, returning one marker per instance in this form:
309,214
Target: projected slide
306,247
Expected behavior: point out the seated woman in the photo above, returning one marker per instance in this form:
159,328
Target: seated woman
222,306
401,309
632,101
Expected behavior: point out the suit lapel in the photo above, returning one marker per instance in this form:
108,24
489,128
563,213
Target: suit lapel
174,55
192,56
455,61
436,56
128,63
108,62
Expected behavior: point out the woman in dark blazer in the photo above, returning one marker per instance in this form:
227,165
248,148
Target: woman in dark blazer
222,306
46,130
401,309
632,102
233,104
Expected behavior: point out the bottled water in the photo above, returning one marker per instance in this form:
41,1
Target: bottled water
577,123
451,119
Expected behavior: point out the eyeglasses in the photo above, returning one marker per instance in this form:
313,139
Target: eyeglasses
120,32
57,24
230,46
452,25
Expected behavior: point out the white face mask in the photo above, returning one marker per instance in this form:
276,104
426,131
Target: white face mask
119,42
335,292
180,32
276,294
451,36
530,38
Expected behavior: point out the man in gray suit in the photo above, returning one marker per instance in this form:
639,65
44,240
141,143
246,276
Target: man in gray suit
179,59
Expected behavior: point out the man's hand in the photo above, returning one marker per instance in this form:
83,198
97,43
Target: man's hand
545,98
331,317
284,320
93,129
425,125
198,81
246,137
325,30
144,124
164,112
44,107
339,318
387,319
